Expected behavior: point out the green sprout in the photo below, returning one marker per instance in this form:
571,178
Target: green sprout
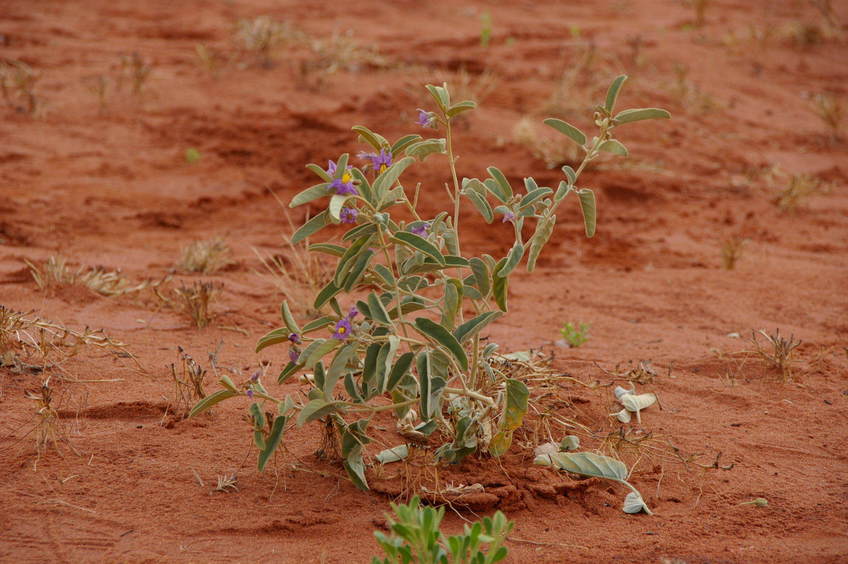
485,29
575,335
416,537
192,155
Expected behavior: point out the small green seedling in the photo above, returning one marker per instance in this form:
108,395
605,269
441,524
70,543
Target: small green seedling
416,537
575,335
192,155
485,29
756,502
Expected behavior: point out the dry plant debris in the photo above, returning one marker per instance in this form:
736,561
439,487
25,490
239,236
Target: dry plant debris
25,338
207,256
55,273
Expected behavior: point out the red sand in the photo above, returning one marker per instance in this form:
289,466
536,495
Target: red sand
114,189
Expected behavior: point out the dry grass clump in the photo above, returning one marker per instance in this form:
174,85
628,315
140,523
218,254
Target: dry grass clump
48,427
828,107
801,187
135,69
55,273
206,256
731,251
188,383
17,85
25,338
194,301
777,351
259,37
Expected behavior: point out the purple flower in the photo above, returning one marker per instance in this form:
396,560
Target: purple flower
342,329
331,168
421,229
425,119
353,312
343,185
348,215
295,338
293,356
508,216
255,376
379,161
250,394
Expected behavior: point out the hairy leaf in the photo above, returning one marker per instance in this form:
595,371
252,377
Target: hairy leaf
210,401
442,336
612,93
311,227
568,130
638,114
420,244
589,209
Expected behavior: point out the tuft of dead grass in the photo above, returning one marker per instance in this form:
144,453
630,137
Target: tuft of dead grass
801,187
26,338
206,257
49,430
731,251
777,351
17,85
188,383
195,301
55,273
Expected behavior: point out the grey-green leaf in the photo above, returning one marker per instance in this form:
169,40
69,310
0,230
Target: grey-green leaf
615,147
639,114
633,503
375,140
442,336
317,409
311,227
311,193
475,325
585,464
420,244
568,130
276,336
423,149
614,90
460,107
589,209
481,275
500,286
211,400
274,438
505,190
512,260
394,454
481,204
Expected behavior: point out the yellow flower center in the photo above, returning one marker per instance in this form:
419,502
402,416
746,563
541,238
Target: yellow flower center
342,330
382,168
346,177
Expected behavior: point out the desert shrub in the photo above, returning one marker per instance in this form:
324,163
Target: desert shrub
398,327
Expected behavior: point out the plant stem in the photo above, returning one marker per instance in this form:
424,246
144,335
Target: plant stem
471,394
452,163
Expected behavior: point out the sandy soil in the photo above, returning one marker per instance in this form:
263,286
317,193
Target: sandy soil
111,186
